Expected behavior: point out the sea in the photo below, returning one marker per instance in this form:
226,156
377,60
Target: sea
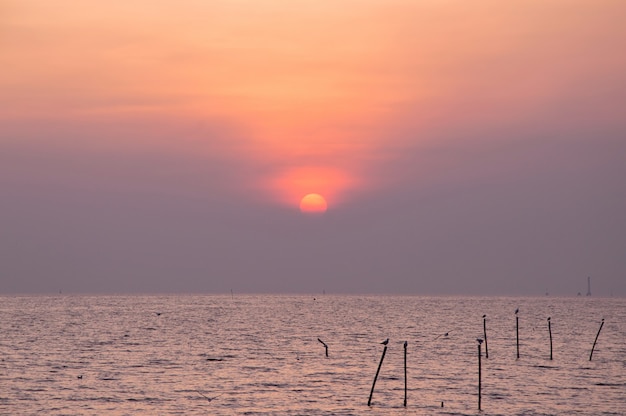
263,355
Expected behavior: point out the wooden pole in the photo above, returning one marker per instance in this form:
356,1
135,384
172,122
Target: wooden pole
405,382
369,401
485,334
550,331
517,332
479,375
596,340
325,346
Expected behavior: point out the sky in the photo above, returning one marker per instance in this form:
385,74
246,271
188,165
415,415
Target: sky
463,148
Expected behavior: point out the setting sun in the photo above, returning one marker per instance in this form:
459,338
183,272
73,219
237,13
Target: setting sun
313,204
291,184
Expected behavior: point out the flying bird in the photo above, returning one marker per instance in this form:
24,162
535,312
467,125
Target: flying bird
210,399
385,342
445,335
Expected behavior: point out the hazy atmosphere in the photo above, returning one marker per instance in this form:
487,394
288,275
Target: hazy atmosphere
462,147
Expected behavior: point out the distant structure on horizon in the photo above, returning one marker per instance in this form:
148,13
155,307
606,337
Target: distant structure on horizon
588,285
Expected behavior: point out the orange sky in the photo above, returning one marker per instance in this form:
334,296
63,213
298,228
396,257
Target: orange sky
313,88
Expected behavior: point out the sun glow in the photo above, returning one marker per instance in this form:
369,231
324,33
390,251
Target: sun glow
293,183
313,204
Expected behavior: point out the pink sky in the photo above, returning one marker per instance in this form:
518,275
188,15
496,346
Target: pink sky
265,101
317,86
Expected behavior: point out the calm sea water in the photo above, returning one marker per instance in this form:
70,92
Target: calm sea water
259,355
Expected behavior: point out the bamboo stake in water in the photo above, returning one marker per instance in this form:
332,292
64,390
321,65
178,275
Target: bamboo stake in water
325,346
550,331
480,341
517,330
405,344
485,334
596,340
369,401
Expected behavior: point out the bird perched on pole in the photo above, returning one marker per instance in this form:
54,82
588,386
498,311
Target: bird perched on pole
385,342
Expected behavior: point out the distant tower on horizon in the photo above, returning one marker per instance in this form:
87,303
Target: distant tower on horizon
588,285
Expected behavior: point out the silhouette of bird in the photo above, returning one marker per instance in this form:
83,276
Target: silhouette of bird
210,399
385,342
158,313
516,311
405,344
548,318
444,335
484,316
480,341
80,377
